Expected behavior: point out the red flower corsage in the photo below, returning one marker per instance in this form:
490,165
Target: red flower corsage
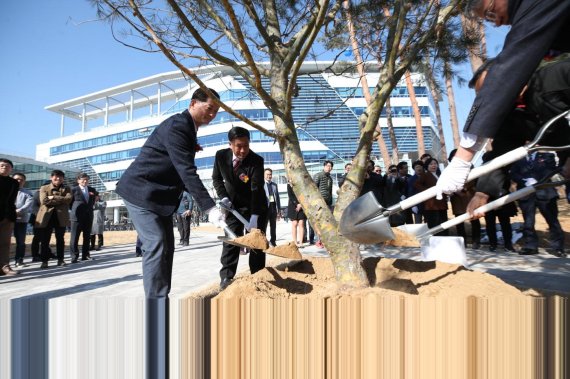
198,147
244,178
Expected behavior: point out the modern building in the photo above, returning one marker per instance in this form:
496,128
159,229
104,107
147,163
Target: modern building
104,131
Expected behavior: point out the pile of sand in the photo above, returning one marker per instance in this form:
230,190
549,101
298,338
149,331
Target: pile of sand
255,239
288,250
403,239
314,278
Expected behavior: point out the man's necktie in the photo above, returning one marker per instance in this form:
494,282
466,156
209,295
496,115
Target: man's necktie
85,194
236,165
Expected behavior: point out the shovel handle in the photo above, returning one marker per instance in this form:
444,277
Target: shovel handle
482,209
500,161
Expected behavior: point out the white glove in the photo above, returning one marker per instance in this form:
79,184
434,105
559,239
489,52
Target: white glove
529,182
252,223
226,202
453,177
216,217
415,209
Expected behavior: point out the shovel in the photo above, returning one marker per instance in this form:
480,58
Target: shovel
367,221
452,249
278,251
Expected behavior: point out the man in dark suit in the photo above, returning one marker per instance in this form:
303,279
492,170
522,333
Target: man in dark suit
529,171
151,188
273,205
81,217
537,29
238,181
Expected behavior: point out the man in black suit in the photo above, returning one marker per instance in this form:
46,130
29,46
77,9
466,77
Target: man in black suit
538,28
81,217
529,171
151,188
238,181
273,205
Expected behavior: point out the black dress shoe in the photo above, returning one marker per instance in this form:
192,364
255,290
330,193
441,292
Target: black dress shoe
558,253
61,263
225,283
476,245
511,249
528,251
86,259
44,265
75,260
492,248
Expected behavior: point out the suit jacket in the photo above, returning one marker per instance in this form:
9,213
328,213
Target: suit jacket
542,166
8,193
81,209
164,167
536,26
275,191
244,189
58,205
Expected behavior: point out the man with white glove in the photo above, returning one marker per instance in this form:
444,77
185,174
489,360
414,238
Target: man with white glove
238,181
522,52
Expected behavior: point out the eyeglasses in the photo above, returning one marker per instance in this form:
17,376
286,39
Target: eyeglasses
489,13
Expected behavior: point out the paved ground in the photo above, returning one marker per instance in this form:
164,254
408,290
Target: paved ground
116,272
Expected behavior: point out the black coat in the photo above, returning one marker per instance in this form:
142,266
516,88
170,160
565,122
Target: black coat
164,167
245,189
82,210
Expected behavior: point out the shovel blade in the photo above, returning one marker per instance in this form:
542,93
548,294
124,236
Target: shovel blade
363,221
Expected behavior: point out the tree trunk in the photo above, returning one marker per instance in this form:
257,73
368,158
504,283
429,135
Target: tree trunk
345,254
364,81
392,133
452,109
432,85
417,115
476,56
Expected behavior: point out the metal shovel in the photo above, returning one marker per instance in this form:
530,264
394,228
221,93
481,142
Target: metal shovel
367,221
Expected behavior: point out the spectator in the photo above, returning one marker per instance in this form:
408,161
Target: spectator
8,195
273,205
53,215
84,197
392,194
378,170
529,171
459,201
24,203
347,168
404,177
138,248
297,215
98,226
372,182
238,180
183,218
38,232
435,211
417,210
324,183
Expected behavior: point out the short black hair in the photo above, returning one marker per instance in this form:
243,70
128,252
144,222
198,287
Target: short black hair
202,96
6,160
238,132
401,164
418,163
19,174
428,162
348,164
58,173
425,156
82,175
268,169
327,162
477,74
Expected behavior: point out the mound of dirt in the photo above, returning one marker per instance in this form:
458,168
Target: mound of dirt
254,239
314,278
288,250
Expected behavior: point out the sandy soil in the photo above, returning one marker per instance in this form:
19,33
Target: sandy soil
315,277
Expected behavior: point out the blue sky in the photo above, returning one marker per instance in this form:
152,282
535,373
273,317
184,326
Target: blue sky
53,50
